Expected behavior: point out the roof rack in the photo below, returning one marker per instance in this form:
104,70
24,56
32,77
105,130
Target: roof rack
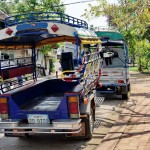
109,28
46,17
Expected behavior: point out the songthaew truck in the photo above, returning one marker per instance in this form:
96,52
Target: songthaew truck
62,105
115,69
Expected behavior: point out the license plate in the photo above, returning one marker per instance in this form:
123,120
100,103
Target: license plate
38,118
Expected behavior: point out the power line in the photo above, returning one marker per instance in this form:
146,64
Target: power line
86,1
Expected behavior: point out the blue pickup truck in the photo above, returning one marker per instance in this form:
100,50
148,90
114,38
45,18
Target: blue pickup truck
52,106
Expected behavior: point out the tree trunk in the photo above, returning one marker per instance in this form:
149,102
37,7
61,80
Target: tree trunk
140,66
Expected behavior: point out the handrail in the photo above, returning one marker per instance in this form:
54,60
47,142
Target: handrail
16,62
14,83
46,17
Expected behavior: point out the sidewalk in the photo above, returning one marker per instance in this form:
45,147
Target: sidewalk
132,130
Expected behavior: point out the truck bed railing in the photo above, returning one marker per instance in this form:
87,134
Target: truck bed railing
16,72
14,83
45,17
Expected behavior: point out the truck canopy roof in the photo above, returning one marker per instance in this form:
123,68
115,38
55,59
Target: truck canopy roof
109,33
37,29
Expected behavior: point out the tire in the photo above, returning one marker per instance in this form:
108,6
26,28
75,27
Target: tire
125,96
89,125
129,87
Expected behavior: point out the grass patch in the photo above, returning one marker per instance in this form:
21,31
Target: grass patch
135,69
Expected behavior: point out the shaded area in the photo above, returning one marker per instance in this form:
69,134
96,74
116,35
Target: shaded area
46,103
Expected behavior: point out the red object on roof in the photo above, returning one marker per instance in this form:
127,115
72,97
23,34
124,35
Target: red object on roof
54,28
9,31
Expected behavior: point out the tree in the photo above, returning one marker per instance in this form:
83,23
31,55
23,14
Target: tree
6,7
24,6
131,18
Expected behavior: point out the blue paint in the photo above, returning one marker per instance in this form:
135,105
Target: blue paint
30,26
13,109
25,96
125,55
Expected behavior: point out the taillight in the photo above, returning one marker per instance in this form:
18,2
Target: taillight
100,85
73,107
3,108
120,81
73,104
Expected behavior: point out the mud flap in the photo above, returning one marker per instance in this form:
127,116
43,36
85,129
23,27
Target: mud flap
124,90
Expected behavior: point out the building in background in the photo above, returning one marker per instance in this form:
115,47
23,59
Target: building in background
42,60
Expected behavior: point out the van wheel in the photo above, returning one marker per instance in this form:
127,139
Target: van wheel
89,125
125,96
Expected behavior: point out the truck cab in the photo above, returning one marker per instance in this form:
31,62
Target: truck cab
115,71
62,105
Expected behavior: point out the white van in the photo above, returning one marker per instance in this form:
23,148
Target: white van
115,71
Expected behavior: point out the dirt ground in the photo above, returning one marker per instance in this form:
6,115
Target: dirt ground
140,85
131,130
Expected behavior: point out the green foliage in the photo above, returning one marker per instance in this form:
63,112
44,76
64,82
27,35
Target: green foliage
48,48
45,49
24,6
51,65
6,7
134,69
131,18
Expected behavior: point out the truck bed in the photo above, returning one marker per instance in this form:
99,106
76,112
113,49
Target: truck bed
44,103
47,97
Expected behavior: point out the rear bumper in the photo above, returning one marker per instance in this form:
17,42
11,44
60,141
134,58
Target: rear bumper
59,126
111,88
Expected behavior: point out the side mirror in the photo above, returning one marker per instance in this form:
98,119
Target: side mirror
129,61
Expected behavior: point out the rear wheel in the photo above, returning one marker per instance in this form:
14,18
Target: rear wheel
86,129
89,125
127,95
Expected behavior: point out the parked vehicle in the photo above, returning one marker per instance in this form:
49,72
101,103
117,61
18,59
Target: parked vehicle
52,106
115,70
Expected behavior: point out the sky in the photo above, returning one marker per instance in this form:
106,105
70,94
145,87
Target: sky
76,10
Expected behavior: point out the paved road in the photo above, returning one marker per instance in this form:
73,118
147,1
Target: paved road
104,121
